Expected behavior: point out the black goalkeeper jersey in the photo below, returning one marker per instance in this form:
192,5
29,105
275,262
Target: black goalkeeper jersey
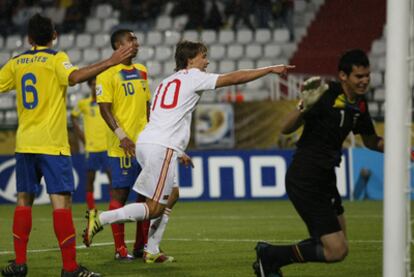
328,123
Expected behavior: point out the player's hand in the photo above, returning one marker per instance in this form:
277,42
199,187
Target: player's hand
128,146
312,90
282,69
122,53
186,160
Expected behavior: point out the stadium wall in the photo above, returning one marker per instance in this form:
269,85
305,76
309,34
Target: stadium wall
217,175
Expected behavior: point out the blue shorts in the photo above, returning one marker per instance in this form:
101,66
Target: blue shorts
124,171
97,161
57,171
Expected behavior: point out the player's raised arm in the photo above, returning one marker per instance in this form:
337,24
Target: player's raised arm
247,75
92,70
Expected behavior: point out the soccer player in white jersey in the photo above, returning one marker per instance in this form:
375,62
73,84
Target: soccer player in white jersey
166,136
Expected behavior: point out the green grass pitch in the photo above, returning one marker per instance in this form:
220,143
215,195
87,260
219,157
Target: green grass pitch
207,239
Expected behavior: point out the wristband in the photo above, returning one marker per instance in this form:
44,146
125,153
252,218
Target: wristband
120,133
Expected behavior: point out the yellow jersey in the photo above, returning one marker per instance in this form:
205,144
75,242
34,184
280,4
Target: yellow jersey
126,87
94,126
40,77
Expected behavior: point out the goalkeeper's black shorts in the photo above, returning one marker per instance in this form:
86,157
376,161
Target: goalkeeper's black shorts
314,194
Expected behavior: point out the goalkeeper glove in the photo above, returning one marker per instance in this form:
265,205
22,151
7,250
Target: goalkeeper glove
313,88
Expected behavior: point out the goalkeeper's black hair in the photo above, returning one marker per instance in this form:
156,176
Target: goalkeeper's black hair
40,29
354,57
118,35
186,50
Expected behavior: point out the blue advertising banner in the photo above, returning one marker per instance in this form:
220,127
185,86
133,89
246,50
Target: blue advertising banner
217,175
368,174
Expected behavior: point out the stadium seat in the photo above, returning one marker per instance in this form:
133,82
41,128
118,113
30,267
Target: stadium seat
163,23
7,101
376,79
263,36
208,36
1,42
379,94
168,68
141,37
153,83
93,25
154,69
11,117
255,85
13,42
107,52
281,35
163,53
373,108
109,24
101,40
171,37
103,11
212,67
245,64
190,35
154,38
73,89
217,52
83,40
75,55
26,44
264,63
145,53
272,51
91,55
84,88
299,7
253,51
234,51
381,63
244,36
378,47
226,66
226,36
66,41
179,22
4,57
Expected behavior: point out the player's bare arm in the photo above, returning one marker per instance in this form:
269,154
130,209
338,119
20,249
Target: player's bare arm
92,70
247,75
373,142
78,130
125,143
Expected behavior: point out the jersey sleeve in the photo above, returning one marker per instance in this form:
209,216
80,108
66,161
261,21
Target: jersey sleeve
63,68
205,81
104,89
7,80
364,125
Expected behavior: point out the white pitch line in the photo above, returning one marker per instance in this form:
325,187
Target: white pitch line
103,244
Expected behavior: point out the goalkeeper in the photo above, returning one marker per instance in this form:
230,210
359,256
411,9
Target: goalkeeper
329,112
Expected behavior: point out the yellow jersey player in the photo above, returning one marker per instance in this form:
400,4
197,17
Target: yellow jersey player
93,136
123,95
40,77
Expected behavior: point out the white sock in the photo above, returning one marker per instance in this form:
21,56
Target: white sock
156,232
130,212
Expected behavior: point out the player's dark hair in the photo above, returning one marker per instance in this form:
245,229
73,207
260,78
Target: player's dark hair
354,57
40,29
118,35
187,50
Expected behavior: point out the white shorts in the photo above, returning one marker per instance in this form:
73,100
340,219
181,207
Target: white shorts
158,174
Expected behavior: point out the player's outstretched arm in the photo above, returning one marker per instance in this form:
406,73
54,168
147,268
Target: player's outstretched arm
92,70
248,75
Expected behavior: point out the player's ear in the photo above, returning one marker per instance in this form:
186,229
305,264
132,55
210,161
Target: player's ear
342,76
54,36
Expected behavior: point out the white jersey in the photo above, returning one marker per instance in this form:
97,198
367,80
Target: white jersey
172,106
